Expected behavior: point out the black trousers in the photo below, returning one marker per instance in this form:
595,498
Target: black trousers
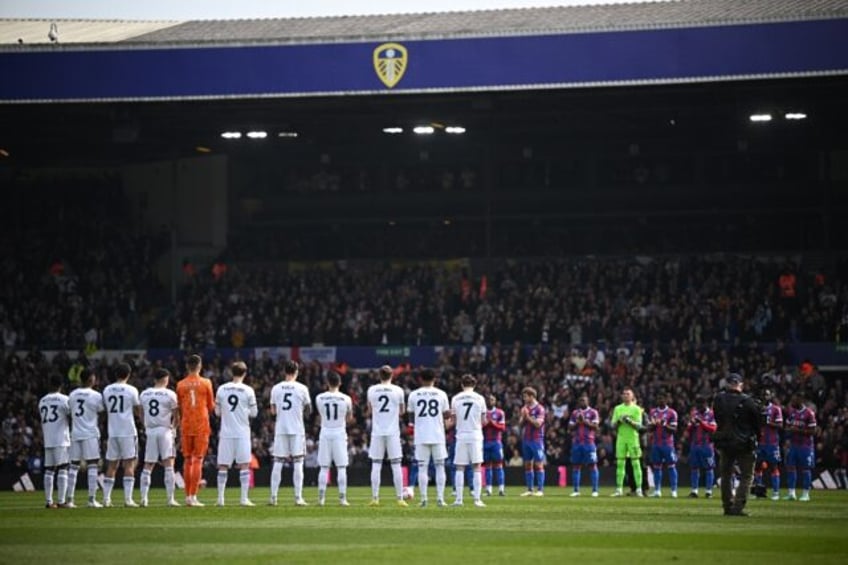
743,458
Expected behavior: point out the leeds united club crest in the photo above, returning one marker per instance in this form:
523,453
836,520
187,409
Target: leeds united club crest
390,63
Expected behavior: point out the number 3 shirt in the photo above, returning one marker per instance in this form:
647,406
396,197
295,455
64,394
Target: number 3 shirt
196,401
86,403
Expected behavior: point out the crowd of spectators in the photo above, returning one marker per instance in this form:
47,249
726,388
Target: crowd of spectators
72,274
701,300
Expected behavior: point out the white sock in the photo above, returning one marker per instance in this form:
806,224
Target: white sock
108,485
397,476
297,478
322,483
423,480
144,484
459,483
477,480
376,469
222,485
48,486
92,481
441,479
170,483
62,485
73,470
341,479
244,482
276,476
129,486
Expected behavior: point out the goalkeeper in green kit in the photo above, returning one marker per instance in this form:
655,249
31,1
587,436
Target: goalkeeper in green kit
627,423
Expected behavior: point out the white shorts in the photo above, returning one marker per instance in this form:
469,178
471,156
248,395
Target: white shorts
468,453
85,449
55,456
120,448
423,451
289,445
332,450
385,446
160,445
233,450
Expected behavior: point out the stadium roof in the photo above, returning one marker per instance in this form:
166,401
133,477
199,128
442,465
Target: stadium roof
530,21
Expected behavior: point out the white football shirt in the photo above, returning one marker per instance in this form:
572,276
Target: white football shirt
236,403
469,409
385,401
428,405
158,405
86,404
120,399
55,419
290,398
333,408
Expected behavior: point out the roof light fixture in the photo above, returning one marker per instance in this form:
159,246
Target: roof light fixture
795,116
424,130
257,134
760,117
231,135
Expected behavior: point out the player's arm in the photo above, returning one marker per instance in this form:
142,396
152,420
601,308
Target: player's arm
210,396
615,421
349,419
593,423
252,405
274,402
175,416
671,425
536,422
218,404
708,425
307,404
499,423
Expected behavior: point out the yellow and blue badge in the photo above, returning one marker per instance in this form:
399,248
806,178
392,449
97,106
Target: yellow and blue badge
390,61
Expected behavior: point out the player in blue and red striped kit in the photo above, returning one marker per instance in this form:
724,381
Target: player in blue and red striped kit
702,426
533,442
493,453
662,422
583,424
801,425
768,448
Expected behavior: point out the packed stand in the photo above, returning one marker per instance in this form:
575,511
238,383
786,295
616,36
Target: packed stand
73,276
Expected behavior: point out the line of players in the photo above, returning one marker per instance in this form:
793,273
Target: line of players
71,430
69,447
661,423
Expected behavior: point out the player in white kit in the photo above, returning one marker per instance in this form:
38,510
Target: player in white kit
160,409
122,407
468,410
385,407
430,413
86,405
290,402
335,410
55,414
235,405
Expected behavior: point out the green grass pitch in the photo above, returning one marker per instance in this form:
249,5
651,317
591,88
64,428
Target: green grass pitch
553,529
